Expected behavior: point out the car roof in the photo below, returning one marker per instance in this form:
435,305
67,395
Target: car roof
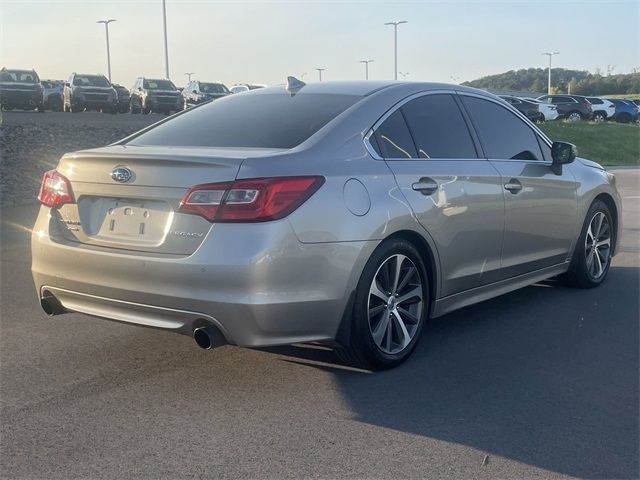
363,87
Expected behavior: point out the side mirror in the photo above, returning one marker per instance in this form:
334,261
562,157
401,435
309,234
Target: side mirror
194,91
562,153
139,89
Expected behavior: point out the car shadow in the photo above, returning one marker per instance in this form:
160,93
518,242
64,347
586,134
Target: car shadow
546,375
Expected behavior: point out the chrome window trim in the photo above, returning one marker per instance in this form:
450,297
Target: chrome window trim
500,102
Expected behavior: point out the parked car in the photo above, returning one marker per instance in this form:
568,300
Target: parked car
548,111
197,92
155,95
245,87
636,102
602,108
571,107
21,89
289,226
528,108
124,97
53,92
626,110
84,91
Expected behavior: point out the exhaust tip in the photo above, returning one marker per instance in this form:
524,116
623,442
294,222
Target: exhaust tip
46,306
51,305
208,337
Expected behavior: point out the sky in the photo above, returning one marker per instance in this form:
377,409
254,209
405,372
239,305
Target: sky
263,42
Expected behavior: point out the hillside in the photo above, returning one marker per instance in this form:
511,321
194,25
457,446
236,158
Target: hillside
582,82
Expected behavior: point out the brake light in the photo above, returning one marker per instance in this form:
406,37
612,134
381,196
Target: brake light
55,189
253,200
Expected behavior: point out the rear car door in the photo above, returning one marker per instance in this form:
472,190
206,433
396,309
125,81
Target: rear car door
456,196
540,205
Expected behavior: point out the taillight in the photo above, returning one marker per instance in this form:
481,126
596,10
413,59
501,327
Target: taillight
55,189
253,200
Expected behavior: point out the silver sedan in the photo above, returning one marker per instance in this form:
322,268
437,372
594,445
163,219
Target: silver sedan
346,212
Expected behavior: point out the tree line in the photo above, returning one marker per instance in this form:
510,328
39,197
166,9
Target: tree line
579,82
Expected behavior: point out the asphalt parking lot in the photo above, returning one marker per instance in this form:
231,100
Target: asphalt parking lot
539,383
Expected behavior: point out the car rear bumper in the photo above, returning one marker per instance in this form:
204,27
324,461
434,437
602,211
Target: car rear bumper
256,283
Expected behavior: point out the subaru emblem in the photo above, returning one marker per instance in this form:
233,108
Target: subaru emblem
121,174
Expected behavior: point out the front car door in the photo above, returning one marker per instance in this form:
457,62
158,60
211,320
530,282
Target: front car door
456,196
540,205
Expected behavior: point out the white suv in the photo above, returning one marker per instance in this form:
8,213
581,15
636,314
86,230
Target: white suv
602,109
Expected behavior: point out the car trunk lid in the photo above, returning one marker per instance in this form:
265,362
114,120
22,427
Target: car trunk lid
137,210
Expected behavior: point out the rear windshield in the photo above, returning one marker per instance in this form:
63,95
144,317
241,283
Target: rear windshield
269,120
159,85
90,81
213,88
18,76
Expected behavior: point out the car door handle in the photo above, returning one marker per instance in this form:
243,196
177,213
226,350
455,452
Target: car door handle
425,186
513,185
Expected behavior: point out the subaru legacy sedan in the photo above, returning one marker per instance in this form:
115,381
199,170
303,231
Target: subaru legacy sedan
347,213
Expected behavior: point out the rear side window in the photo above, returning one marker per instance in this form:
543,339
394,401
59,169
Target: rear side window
438,127
503,135
393,138
595,101
263,120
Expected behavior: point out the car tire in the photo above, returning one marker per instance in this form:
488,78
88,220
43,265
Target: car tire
587,269
574,116
599,117
133,107
385,329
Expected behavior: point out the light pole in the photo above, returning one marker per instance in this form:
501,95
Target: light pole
188,74
366,68
166,48
395,45
106,28
320,70
550,54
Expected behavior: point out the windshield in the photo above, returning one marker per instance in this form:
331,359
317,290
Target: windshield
159,85
19,76
91,81
213,88
273,120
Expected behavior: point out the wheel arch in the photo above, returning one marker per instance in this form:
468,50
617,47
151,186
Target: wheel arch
613,208
428,257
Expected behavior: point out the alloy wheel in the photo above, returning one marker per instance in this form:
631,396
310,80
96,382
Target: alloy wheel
395,304
598,245
575,117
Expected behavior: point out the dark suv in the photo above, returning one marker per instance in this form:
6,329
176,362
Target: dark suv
571,107
528,109
197,92
124,97
155,95
89,92
21,89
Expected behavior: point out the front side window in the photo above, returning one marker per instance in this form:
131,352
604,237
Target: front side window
503,135
438,127
265,120
393,139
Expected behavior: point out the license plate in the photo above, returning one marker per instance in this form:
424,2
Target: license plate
141,220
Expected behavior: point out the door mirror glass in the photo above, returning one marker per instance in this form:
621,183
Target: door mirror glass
563,153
